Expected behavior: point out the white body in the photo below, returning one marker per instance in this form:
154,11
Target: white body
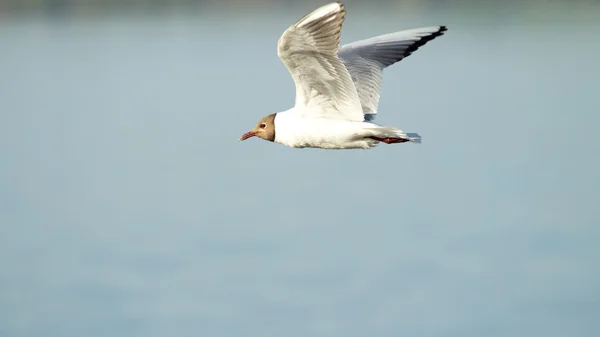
298,132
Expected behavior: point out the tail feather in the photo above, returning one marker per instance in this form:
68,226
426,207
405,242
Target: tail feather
414,137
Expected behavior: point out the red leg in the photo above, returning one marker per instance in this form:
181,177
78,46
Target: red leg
390,140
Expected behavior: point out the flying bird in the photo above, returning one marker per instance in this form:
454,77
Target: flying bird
337,88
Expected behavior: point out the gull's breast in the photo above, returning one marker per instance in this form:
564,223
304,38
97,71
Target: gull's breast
321,133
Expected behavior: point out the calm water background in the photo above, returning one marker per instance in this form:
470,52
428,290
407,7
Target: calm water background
127,207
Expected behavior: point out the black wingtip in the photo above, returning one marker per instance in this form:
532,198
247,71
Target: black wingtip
425,39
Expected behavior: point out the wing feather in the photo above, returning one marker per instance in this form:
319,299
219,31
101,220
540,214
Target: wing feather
309,50
366,59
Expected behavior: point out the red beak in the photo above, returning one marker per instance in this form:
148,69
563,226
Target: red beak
247,135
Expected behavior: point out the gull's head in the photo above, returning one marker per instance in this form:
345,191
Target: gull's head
264,129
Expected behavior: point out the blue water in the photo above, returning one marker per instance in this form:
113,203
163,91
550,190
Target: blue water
127,207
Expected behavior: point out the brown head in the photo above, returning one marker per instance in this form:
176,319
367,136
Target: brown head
265,129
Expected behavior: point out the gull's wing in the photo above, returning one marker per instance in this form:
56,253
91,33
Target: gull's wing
366,59
309,50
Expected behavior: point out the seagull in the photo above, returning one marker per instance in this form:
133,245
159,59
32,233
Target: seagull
337,88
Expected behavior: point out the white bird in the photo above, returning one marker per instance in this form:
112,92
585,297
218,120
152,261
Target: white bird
337,88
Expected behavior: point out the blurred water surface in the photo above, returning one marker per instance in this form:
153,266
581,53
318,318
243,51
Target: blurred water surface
128,208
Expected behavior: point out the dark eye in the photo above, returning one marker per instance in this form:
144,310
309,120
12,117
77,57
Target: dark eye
263,125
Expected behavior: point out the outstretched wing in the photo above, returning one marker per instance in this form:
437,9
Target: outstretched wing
366,59
309,50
